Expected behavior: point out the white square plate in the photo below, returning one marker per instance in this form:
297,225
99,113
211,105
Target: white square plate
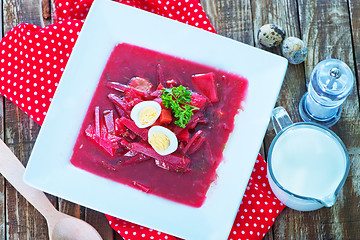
109,23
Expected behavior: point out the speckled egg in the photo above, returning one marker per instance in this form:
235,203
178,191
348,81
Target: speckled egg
271,35
294,50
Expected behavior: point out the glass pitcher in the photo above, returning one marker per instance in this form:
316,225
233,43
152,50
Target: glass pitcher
307,163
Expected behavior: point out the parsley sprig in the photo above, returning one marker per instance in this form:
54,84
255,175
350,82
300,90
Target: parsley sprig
177,98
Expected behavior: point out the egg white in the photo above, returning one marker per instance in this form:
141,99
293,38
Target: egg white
172,137
135,112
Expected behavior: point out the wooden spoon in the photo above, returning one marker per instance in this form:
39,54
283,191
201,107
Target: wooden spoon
60,225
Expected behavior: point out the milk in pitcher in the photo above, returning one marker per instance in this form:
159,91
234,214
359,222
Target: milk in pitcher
308,162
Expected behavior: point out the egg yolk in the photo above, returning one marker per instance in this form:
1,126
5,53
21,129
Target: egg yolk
146,115
159,141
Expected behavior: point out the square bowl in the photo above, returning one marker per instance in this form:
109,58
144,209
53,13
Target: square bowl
108,24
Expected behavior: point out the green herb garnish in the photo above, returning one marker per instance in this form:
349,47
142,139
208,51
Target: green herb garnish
177,98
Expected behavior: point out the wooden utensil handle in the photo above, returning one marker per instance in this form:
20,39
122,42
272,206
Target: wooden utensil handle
13,170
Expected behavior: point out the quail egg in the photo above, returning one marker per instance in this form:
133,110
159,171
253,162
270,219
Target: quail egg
271,35
162,140
145,113
294,50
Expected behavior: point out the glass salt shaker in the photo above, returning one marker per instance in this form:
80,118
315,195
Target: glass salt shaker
331,82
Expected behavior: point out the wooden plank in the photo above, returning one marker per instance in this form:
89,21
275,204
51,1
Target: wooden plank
46,12
326,29
23,221
354,9
20,11
2,181
100,223
232,19
283,13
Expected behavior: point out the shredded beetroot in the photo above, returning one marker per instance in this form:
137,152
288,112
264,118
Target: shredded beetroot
168,166
198,100
191,124
135,101
156,93
140,186
140,84
196,145
160,87
141,132
108,142
159,101
178,162
109,121
191,141
205,83
97,122
126,89
119,127
120,102
127,159
172,83
183,136
161,74
125,143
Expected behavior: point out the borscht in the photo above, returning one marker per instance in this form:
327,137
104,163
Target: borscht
159,123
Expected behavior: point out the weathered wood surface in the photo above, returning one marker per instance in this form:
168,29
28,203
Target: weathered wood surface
331,28
2,181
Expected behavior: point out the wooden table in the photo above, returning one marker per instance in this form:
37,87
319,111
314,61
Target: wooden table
331,29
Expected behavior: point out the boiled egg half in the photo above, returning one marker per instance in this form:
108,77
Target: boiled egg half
162,140
145,113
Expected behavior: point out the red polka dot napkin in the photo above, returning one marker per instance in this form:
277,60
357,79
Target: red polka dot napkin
32,60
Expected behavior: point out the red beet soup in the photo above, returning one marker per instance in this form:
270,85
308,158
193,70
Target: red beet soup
198,105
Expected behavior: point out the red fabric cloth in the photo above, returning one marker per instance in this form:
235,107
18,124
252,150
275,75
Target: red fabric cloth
32,60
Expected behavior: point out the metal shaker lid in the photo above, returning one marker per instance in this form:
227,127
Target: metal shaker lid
332,77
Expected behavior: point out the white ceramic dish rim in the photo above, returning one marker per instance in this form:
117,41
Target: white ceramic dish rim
55,174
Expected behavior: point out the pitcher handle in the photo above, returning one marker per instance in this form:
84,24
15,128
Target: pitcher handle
280,119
